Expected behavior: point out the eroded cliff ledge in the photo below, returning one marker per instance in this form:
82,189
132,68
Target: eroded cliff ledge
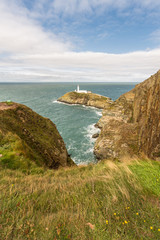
27,136
131,124
88,99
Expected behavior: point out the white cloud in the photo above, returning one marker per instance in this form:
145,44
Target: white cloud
21,34
79,6
35,55
84,66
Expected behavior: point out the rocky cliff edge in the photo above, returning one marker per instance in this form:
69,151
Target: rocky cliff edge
25,134
131,125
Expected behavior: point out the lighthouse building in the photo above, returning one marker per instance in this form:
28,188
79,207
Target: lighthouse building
80,91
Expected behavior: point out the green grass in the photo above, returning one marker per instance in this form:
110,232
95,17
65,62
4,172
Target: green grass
96,202
15,154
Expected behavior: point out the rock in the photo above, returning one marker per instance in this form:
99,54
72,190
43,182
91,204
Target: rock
37,136
95,135
87,99
131,125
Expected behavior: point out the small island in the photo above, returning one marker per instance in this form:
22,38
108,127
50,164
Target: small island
87,98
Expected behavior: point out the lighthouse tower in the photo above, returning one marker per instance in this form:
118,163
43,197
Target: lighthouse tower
80,91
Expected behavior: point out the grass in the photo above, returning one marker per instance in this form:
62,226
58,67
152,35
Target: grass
96,202
15,154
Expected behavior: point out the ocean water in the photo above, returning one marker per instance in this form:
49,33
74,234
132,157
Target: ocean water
74,122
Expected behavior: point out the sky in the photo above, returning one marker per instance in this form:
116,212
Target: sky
79,40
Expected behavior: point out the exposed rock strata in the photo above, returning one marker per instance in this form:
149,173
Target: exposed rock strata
38,136
131,124
88,99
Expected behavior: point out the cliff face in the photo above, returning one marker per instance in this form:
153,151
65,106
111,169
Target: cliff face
131,124
88,99
146,112
36,137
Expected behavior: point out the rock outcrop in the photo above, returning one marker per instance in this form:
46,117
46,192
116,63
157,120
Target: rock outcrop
131,124
37,138
88,99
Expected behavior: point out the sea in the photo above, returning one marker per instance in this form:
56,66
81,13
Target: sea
75,123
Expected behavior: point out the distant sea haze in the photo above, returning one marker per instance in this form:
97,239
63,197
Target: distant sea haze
74,122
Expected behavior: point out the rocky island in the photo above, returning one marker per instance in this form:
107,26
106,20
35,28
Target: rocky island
29,139
87,99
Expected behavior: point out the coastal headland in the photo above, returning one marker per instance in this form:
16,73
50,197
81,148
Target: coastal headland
130,126
107,200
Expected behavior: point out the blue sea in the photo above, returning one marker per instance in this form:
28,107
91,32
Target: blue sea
74,122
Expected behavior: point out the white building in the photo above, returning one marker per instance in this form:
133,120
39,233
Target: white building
80,91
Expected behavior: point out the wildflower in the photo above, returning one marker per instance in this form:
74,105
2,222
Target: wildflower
46,229
128,207
151,228
106,221
126,222
158,229
123,223
114,214
137,213
144,220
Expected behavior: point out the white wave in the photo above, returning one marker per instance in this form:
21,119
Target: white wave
55,101
98,112
90,130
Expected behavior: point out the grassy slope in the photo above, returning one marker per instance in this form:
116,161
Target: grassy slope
104,201
15,154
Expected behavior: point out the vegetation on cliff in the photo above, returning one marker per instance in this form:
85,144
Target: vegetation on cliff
88,99
28,140
105,201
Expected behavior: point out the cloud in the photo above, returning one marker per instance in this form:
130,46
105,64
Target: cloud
30,53
92,6
19,33
83,66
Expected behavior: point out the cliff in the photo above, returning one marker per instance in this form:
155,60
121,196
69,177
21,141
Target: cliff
131,124
88,99
26,138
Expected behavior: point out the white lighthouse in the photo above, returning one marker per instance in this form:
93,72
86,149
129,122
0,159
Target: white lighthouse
80,91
